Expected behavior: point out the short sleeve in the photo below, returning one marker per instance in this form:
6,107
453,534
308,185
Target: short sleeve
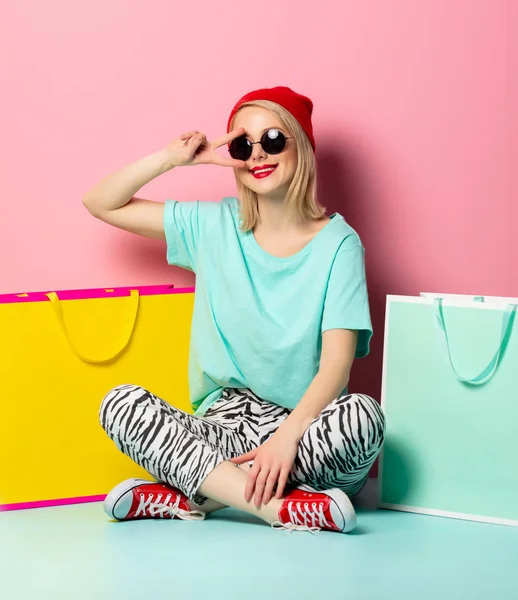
346,303
182,227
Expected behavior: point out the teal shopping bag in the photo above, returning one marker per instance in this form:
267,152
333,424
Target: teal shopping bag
450,396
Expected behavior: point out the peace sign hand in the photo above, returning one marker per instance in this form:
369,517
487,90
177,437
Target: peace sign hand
193,148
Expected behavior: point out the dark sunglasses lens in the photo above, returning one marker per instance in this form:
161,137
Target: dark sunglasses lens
240,148
273,141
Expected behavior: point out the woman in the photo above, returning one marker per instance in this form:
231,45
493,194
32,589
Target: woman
281,311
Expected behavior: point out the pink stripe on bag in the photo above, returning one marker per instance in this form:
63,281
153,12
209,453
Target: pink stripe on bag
48,503
144,290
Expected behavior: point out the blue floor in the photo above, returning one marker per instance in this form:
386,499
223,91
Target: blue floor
76,553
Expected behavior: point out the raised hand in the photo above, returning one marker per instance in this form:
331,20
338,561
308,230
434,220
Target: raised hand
193,148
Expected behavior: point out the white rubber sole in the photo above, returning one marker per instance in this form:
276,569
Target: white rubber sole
342,510
117,503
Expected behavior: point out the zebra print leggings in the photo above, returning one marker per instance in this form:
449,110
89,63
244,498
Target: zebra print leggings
337,450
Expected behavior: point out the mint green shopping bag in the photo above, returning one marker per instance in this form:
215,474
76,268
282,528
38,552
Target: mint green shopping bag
450,396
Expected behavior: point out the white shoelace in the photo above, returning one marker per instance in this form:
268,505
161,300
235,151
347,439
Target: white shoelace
304,518
162,509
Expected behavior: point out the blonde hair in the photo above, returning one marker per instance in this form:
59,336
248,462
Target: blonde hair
301,198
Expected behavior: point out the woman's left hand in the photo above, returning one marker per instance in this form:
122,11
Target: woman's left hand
273,461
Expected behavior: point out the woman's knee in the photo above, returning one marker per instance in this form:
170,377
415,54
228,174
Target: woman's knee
364,416
115,401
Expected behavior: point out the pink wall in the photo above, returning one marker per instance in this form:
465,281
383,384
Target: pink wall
415,120
512,40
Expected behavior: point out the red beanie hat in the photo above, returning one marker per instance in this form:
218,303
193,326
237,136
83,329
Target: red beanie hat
299,106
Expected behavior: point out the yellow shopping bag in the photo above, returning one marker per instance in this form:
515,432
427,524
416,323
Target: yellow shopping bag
60,354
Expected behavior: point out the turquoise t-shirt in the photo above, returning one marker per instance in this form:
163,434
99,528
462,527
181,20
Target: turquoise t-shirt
258,319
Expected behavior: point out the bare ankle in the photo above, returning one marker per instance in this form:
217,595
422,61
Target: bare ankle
208,507
227,484
270,512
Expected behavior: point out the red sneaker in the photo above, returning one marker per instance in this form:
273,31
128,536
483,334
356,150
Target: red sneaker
141,499
305,509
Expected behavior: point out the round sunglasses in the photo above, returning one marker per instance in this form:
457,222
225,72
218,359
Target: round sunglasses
272,141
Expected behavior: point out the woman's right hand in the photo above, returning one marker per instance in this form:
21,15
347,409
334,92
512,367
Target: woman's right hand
193,148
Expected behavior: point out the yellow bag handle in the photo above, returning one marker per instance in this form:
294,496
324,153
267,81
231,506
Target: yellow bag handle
129,326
